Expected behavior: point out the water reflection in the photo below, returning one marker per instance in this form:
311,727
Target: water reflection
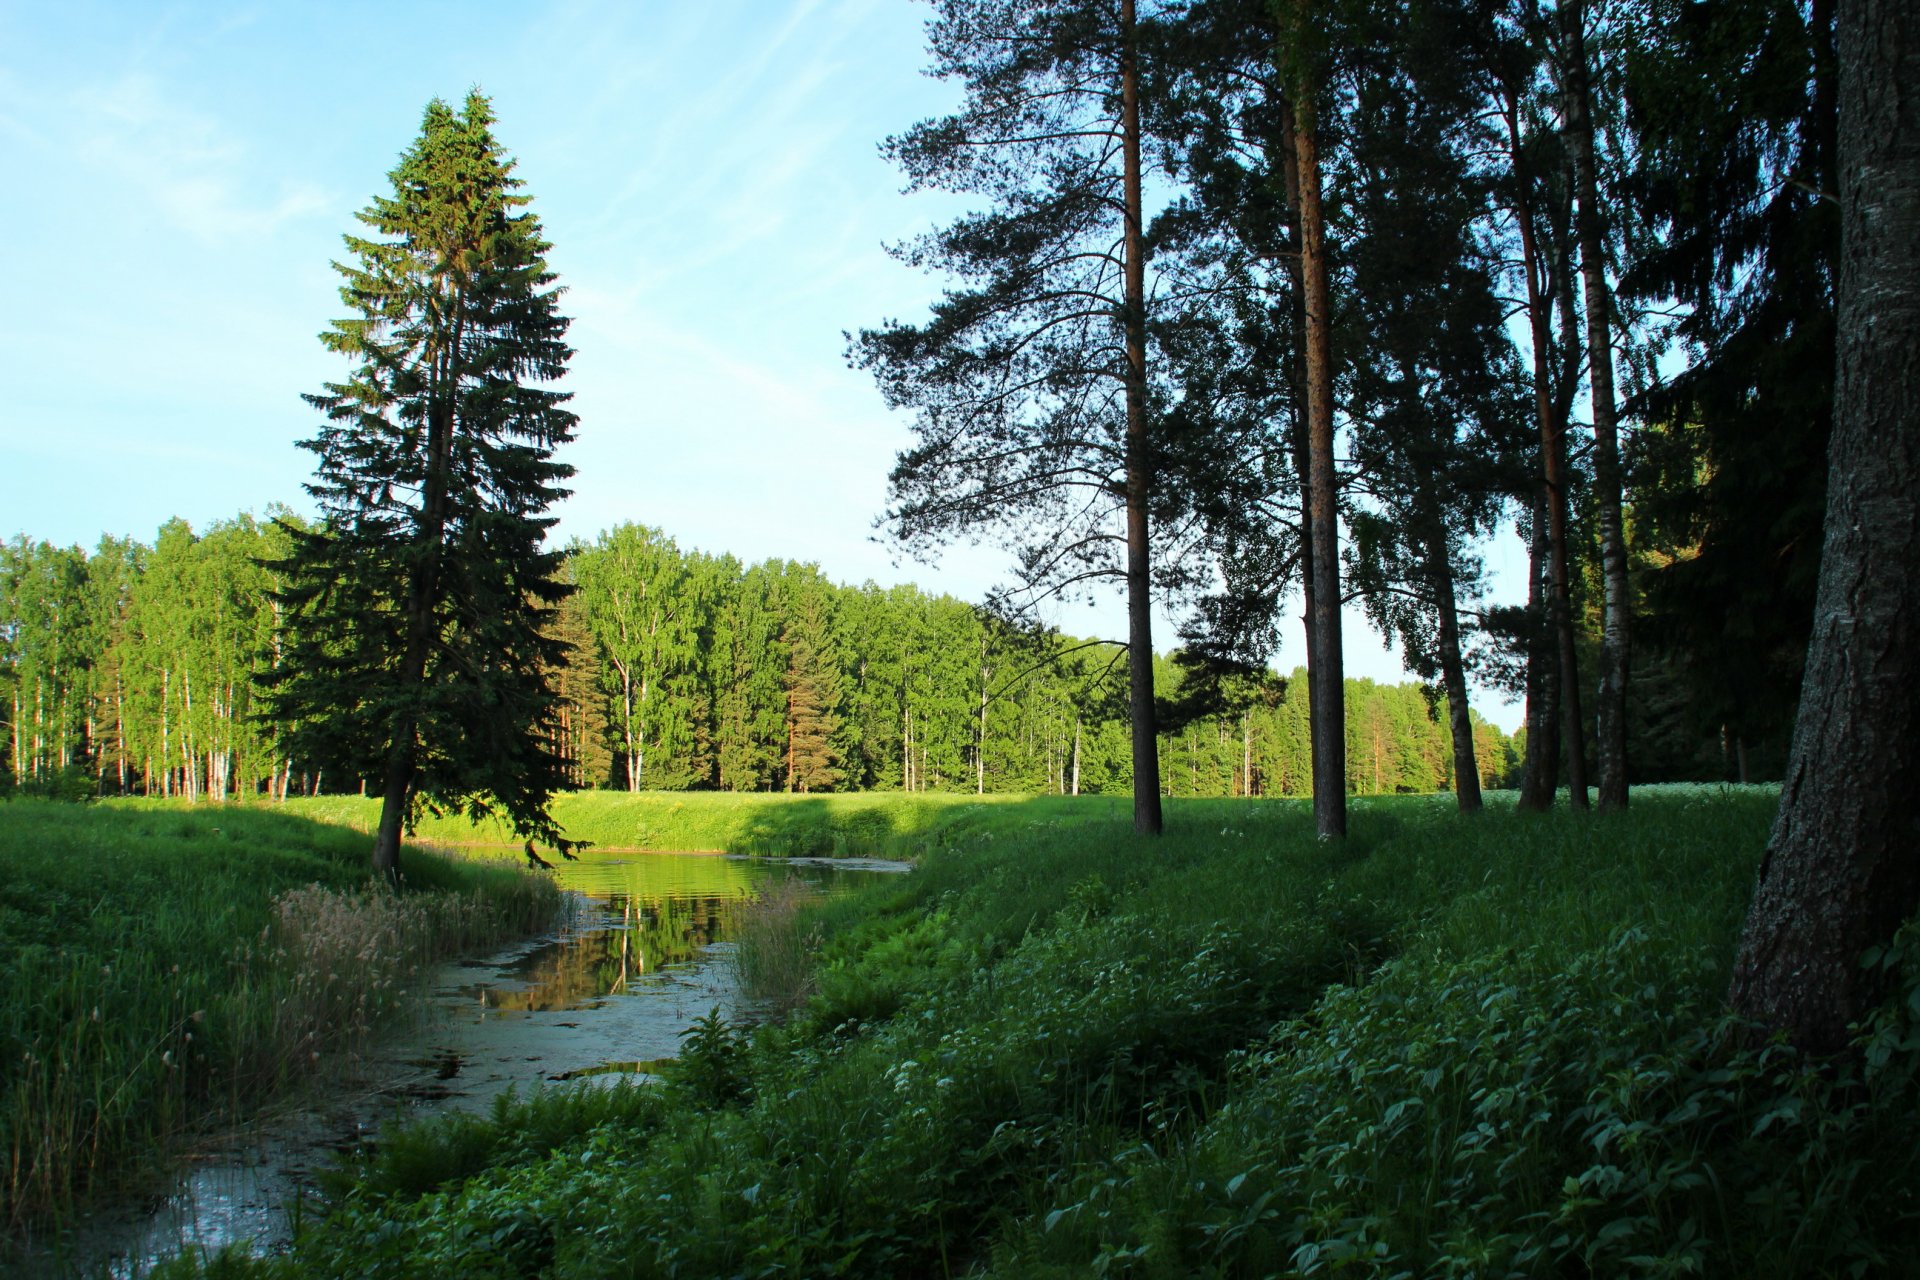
605,997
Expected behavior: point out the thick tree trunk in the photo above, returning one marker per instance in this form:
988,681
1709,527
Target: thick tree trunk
1590,230
1146,742
1326,671
1841,871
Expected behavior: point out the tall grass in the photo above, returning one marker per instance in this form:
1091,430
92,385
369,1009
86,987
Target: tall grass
774,943
161,965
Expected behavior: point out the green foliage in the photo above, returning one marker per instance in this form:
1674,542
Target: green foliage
1476,1048
167,964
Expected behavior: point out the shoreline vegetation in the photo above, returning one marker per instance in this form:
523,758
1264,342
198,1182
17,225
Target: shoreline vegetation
169,966
1452,1046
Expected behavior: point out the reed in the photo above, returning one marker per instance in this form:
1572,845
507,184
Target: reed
166,966
774,946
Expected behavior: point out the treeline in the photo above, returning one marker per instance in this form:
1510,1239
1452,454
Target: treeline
132,669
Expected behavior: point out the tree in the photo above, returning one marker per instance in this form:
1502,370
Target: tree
637,590
1031,383
1431,406
1541,211
419,610
1732,112
1840,873
811,680
1302,53
1590,230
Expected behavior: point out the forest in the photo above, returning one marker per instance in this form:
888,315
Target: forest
131,670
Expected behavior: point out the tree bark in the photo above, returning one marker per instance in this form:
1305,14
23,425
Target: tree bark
1326,671
1146,743
1841,872
1453,677
1540,775
1589,229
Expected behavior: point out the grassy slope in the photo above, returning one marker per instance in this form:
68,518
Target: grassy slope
159,961
1451,1047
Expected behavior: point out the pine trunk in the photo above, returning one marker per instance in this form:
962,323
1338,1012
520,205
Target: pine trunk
1591,233
1841,874
1147,818
1325,659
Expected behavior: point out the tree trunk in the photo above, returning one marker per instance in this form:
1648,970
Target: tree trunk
980,740
1453,676
1841,873
1076,757
1326,673
423,589
1146,744
1540,775
1573,727
1590,230
394,797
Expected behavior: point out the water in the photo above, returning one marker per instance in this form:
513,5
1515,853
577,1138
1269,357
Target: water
603,998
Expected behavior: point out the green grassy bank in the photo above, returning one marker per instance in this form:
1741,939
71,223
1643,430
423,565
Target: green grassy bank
861,824
161,964
1450,1047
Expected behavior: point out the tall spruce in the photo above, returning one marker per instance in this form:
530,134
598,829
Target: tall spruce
1732,111
419,639
1031,381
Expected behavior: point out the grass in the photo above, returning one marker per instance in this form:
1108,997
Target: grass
867,824
1449,1047
163,965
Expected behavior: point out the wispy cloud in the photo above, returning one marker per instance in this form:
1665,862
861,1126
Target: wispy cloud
185,165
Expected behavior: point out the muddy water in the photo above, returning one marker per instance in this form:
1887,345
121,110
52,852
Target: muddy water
643,953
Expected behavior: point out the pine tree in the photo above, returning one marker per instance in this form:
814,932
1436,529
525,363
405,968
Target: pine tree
419,609
1031,381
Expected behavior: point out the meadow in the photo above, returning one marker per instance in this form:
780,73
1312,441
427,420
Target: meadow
854,824
1450,1047
164,966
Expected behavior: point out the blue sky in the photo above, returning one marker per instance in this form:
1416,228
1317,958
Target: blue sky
707,171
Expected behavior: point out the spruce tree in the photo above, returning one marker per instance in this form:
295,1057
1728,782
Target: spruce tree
419,643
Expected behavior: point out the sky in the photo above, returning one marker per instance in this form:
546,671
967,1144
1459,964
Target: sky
708,174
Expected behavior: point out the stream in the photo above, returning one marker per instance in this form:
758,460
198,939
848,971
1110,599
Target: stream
642,953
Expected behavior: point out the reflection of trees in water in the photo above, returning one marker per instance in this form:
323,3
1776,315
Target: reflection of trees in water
650,934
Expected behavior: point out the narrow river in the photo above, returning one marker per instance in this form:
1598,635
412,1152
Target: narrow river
643,953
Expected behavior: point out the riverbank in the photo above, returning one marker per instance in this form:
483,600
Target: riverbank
1452,1046
165,966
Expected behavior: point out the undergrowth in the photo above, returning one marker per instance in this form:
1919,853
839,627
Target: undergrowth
1451,1047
